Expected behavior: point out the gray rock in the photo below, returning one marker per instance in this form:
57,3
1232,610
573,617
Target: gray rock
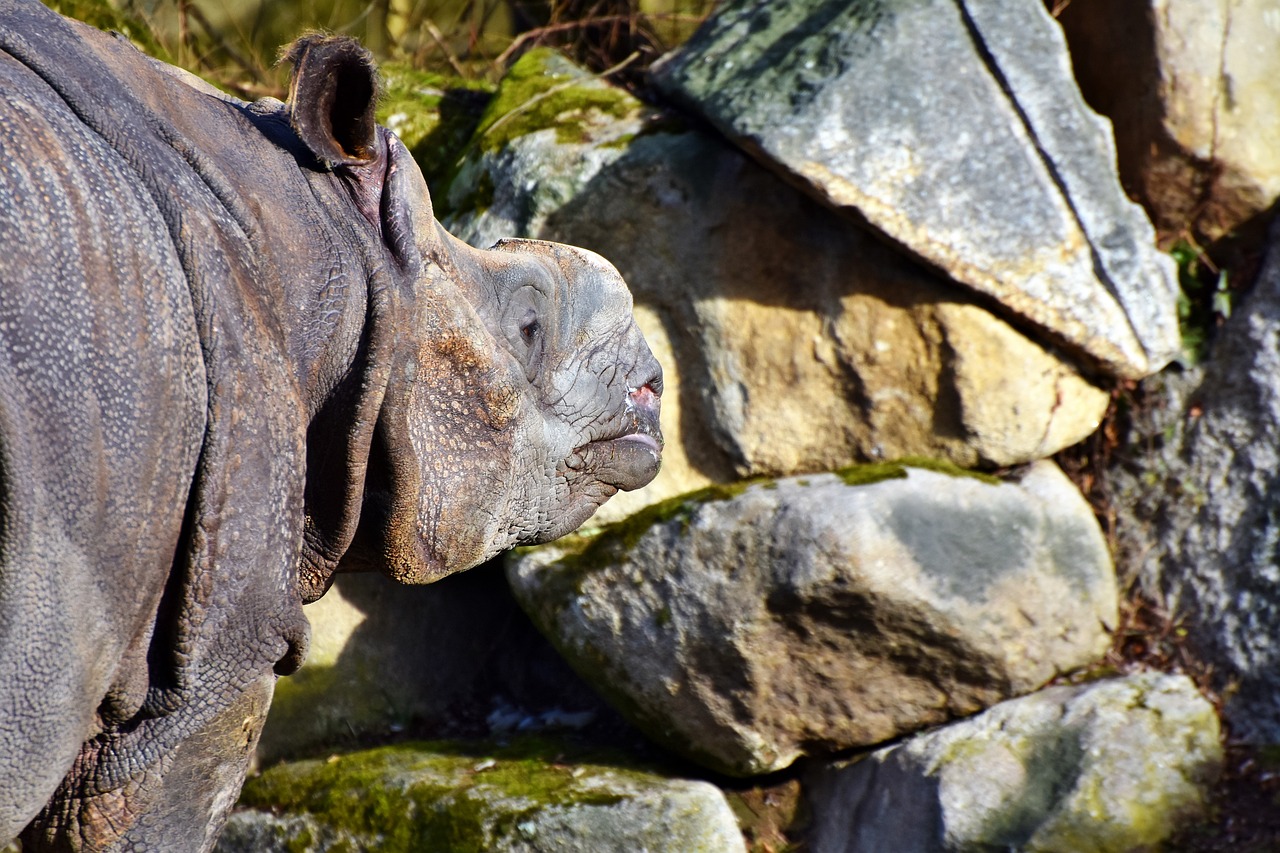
956,128
810,615
1204,535
1110,766
1192,95
466,798
793,339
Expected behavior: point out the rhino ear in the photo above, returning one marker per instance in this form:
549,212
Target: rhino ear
332,97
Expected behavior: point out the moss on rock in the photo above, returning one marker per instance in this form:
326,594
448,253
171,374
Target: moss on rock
874,472
469,796
417,794
434,115
577,555
544,90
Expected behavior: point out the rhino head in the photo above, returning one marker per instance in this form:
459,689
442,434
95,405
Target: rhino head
505,393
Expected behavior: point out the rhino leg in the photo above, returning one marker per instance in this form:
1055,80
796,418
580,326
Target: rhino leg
180,803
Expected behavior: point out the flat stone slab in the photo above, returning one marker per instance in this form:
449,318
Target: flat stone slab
1109,767
476,798
745,627
955,127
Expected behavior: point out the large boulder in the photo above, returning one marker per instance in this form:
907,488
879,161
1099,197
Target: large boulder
744,627
477,798
1199,502
1190,88
797,340
1108,767
955,127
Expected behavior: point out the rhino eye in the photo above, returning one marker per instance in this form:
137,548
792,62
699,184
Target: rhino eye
530,328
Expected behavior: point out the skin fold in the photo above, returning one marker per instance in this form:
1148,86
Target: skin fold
238,355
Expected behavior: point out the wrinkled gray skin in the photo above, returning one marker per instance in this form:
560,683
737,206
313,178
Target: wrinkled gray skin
236,351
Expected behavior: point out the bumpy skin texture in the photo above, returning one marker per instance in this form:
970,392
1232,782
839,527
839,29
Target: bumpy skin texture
238,354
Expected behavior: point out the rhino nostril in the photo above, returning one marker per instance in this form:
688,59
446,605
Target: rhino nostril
653,382
645,396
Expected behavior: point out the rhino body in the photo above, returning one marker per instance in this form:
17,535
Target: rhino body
237,355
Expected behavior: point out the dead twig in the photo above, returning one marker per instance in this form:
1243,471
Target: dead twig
438,38
538,33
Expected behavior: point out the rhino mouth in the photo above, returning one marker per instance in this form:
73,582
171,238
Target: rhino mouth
632,457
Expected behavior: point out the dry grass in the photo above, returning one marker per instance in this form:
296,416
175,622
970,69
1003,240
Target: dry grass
234,43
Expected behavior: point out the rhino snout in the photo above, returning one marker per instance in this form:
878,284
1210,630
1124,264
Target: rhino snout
631,457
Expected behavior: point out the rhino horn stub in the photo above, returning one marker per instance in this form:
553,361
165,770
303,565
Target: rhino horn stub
332,97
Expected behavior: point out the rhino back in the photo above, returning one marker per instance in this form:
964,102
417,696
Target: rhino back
151,425
102,404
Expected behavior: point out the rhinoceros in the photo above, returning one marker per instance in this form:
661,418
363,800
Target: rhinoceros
238,354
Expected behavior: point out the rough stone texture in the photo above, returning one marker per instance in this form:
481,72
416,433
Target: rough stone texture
798,342
977,153
1017,401
472,798
1200,504
1109,766
808,615
1190,88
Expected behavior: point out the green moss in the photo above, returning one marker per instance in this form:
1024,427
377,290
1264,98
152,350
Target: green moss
300,842
1205,299
621,142
543,90
583,553
871,472
434,115
439,795
875,472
